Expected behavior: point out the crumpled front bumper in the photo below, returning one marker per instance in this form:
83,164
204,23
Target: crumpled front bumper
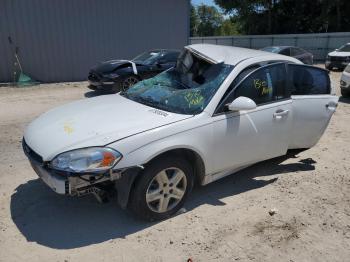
57,183
82,184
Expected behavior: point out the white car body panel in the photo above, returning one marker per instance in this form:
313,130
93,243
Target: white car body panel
226,142
92,122
243,138
312,114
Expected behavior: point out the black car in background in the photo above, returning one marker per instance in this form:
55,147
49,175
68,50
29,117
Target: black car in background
293,51
119,75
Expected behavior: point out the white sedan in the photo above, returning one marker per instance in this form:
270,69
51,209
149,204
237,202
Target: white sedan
220,109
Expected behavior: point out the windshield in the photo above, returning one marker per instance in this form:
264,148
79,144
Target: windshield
148,58
184,89
344,48
271,49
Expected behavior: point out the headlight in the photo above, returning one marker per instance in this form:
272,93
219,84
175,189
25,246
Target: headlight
93,159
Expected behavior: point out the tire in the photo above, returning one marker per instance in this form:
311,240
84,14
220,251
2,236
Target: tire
128,82
152,201
344,93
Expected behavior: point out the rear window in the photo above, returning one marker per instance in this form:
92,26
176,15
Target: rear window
308,80
285,51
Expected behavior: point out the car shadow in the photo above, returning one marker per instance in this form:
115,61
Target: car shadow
344,99
63,222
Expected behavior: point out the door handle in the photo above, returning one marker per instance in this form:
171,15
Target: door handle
280,113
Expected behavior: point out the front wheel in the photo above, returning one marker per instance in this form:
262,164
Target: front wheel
162,188
128,82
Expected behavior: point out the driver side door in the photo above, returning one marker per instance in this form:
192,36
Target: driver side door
242,138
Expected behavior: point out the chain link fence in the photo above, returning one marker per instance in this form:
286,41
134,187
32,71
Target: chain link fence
318,44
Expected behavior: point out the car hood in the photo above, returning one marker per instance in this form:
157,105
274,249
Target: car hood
111,65
341,54
93,122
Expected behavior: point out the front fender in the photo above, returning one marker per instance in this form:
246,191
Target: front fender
141,148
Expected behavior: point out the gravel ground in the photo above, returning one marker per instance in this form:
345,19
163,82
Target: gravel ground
225,221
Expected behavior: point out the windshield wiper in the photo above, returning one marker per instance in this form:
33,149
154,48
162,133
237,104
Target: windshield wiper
147,101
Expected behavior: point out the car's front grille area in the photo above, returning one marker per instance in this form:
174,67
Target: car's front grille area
338,58
31,154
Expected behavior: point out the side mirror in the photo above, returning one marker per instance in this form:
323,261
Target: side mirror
336,50
242,103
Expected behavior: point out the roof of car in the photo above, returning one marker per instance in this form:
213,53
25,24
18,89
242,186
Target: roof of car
233,55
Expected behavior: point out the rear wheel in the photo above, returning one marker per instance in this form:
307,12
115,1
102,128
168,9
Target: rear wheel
162,188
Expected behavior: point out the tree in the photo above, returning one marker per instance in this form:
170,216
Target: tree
210,20
228,27
194,21
288,16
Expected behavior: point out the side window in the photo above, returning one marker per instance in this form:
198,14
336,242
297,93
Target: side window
265,85
238,79
285,51
308,80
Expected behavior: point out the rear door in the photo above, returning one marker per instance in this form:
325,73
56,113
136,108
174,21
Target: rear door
313,104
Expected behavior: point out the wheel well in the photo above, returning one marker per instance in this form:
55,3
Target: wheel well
194,159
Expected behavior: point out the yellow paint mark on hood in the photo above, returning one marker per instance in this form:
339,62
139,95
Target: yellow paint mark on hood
67,127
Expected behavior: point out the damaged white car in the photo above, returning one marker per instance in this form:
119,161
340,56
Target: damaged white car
220,109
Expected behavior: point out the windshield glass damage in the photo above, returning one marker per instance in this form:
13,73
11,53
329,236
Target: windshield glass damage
185,89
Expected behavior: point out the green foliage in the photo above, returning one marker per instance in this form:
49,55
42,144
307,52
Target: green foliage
288,16
194,21
209,21
227,28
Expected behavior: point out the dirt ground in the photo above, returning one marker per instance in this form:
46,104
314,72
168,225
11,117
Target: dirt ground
225,221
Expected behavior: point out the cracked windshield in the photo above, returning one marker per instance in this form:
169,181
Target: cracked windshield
185,89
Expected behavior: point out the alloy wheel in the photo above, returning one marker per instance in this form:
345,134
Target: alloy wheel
166,190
